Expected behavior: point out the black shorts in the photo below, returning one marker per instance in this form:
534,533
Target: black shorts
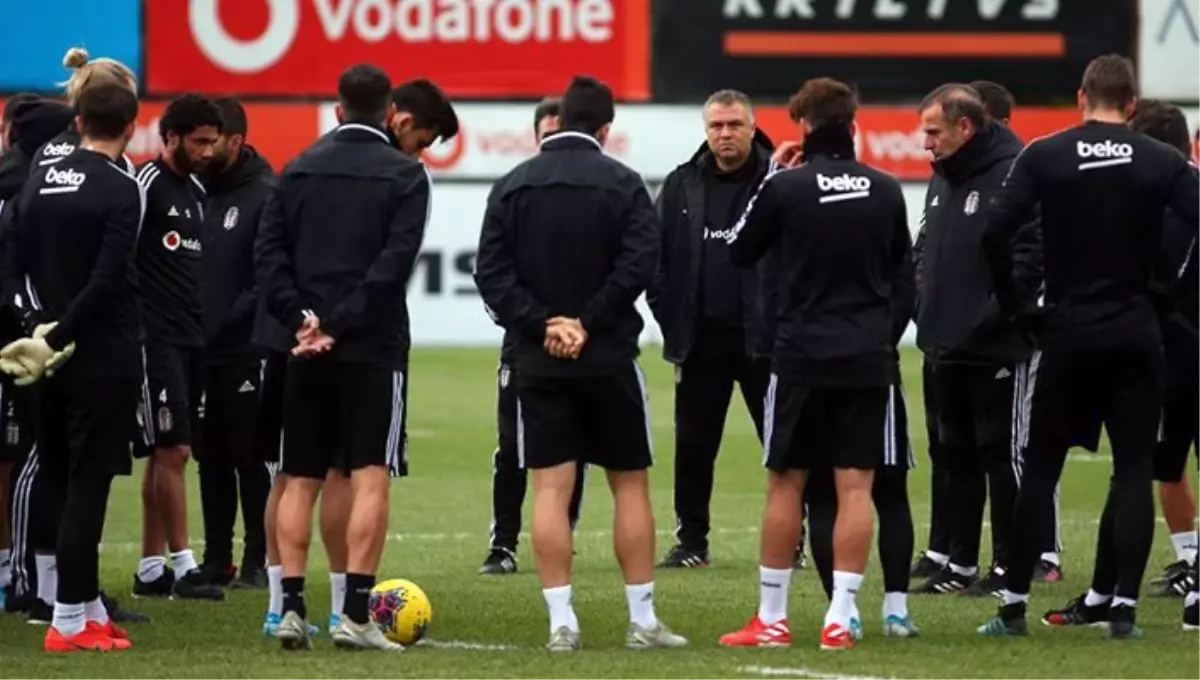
84,428
897,448
806,427
603,420
230,417
975,404
1177,433
343,416
16,420
268,442
172,395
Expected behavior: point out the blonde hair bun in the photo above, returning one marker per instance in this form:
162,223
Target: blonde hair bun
76,57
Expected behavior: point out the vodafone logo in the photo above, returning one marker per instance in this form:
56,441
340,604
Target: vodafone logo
446,156
171,240
244,56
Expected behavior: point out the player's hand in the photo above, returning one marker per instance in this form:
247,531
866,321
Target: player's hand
565,337
788,154
311,325
31,354
42,330
60,357
312,344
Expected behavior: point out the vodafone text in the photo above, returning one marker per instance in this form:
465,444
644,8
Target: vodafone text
886,10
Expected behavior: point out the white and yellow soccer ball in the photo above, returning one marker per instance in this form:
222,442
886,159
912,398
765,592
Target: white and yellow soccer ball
401,610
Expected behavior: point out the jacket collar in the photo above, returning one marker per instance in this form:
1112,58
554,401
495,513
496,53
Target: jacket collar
834,141
569,139
360,132
992,144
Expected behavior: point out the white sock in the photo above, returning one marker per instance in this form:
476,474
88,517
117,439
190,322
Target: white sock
941,558
1124,601
1184,543
843,605
1052,558
95,611
558,601
5,567
69,619
183,562
150,569
1191,599
47,586
1093,598
964,571
895,604
641,605
773,594
1013,598
275,589
337,593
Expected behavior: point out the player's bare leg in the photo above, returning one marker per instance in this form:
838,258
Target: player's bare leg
294,536
853,531
781,525
550,536
153,579
365,534
336,499
633,542
170,500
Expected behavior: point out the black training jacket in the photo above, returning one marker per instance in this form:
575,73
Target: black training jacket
1180,305
339,238
229,291
1103,190
33,124
958,319
673,295
842,234
570,232
91,203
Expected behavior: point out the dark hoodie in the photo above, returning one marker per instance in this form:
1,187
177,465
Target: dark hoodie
228,289
695,284
958,318
33,124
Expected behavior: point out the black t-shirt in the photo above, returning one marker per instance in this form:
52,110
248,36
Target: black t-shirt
725,196
168,256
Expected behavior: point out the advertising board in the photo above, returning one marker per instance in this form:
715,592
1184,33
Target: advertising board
472,48
1169,49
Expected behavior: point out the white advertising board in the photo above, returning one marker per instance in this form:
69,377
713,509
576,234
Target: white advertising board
443,303
1169,50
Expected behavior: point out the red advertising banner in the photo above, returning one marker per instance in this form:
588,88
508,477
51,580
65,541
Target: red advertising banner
890,138
278,131
472,48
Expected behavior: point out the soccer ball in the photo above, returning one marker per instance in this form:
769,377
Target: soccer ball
401,610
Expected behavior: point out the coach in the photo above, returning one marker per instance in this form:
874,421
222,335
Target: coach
709,311
971,349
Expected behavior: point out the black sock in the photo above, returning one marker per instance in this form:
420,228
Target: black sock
293,596
358,589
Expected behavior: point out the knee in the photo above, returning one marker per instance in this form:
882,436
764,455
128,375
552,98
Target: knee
173,458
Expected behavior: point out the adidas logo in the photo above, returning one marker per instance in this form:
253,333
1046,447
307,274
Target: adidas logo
246,387
1003,373
173,212
934,204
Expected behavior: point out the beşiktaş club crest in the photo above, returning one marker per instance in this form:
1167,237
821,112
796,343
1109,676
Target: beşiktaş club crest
505,376
972,203
231,218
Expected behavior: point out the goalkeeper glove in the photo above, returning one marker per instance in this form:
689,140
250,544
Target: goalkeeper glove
26,359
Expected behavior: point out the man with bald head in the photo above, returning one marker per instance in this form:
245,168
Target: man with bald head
972,352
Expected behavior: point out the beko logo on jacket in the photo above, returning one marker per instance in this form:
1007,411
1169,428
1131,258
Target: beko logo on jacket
1107,153
66,177
59,150
172,241
845,187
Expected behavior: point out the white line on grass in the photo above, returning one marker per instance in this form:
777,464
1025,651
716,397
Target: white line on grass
469,646
777,671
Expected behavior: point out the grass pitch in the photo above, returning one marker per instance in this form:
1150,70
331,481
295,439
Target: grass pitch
496,626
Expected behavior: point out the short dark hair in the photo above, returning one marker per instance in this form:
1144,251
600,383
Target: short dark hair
958,101
187,112
998,102
106,110
364,91
587,105
1109,81
10,104
1163,122
234,115
429,106
548,107
824,101
728,97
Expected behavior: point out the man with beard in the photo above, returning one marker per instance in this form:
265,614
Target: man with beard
168,266
238,182
709,310
972,350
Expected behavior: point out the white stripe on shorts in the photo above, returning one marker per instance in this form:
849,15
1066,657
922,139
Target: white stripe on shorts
641,379
769,416
395,438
